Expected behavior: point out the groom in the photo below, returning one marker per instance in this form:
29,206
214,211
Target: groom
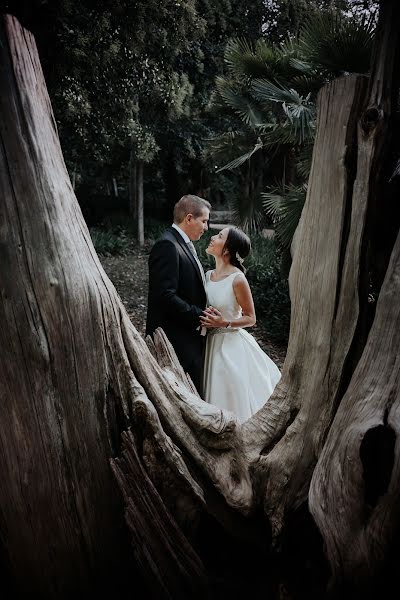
177,295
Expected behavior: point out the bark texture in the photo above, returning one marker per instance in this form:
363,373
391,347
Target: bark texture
74,374
359,519
289,432
64,382
354,495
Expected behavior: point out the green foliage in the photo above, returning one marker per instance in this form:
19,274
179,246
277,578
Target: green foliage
270,290
144,143
236,99
149,62
285,16
154,229
272,89
303,163
262,81
337,45
111,242
144,92
90,92
134,75
298,110
284,203
236,162
248,213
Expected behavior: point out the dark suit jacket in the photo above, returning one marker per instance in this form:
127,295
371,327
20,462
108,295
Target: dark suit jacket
176,299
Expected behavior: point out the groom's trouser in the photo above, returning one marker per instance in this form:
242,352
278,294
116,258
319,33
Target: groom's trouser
191,358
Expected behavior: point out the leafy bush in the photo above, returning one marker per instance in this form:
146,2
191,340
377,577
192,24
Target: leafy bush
270,291
206,260
116,235
110,242
154,228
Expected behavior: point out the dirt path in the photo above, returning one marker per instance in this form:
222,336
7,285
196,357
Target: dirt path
129,275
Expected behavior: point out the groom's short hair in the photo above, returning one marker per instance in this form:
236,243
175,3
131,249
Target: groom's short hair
189,204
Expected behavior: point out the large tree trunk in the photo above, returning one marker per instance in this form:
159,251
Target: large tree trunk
74,373
68,386
286,437
65,385
360,518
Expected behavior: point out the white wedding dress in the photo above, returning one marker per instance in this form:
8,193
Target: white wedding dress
238,376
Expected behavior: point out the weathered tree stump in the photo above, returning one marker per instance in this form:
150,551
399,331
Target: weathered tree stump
75,375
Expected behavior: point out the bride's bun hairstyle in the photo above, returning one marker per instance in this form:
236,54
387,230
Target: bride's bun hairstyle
239,246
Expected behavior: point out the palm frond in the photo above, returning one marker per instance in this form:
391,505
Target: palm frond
243,106
339,45
302,120
279,134
266,52
256,67
291,61
272,63
289,48
235,51
301,65
263,61
299,110
248,213
237,162
265,90
303,164
284,205
309,83
228,142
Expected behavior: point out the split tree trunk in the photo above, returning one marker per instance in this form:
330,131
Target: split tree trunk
360,518
74,373
65,385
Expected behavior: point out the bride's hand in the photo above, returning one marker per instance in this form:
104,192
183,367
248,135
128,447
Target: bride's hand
212,318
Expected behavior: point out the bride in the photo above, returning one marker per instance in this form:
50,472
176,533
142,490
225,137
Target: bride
238,376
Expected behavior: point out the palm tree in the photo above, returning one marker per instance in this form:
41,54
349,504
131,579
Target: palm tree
272,92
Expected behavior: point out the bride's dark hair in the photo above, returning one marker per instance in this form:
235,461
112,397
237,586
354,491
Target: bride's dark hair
239,246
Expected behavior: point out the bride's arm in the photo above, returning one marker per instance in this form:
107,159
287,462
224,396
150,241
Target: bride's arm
245,300
213,318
